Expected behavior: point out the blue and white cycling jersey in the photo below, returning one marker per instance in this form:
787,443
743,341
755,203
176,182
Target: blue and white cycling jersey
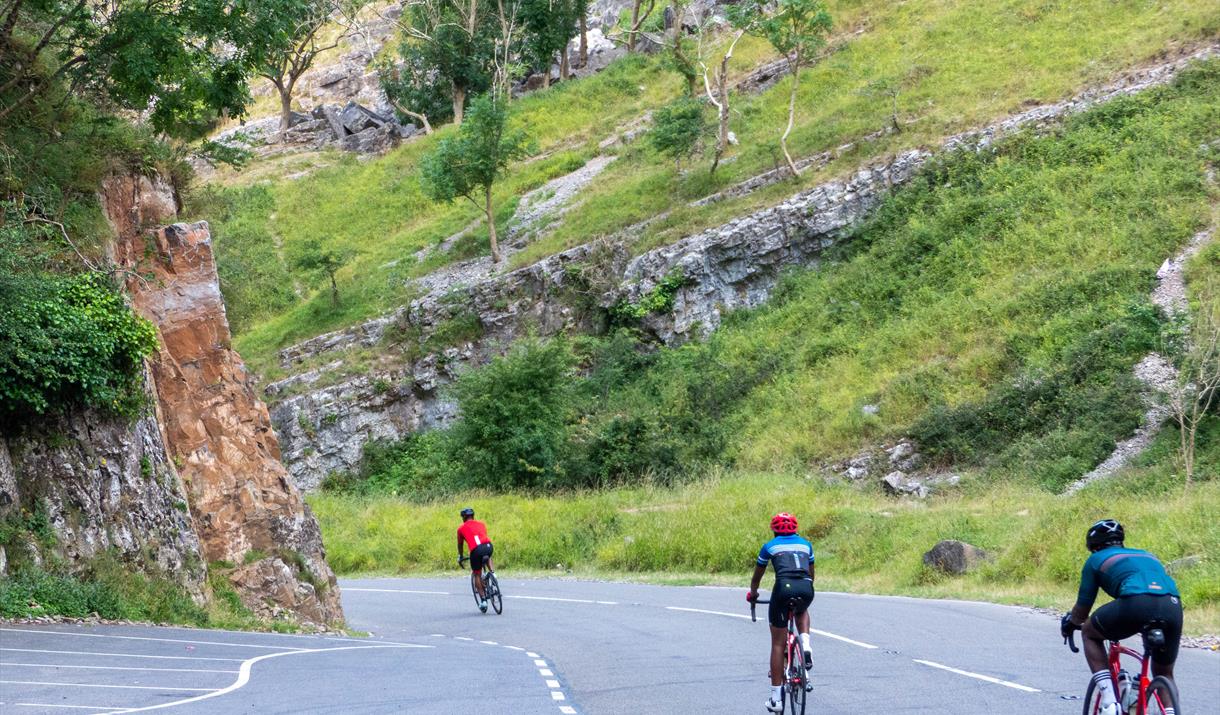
789,555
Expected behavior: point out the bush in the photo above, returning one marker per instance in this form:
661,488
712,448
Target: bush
69,341
513,413
678,128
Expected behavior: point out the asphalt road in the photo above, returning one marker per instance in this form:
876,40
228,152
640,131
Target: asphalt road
567,647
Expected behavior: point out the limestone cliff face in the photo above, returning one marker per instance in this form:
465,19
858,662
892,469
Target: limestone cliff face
219,433
105,486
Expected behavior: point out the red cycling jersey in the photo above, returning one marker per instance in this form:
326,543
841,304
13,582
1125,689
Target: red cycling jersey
474,532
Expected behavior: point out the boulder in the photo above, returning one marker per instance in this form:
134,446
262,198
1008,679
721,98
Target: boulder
1186,563
373,140
899,484
332,118
356,118
955,557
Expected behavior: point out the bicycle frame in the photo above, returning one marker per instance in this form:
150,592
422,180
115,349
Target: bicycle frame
792,644
1116,652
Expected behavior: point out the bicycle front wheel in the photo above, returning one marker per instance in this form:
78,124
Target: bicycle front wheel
1092,700
493,593
1162,697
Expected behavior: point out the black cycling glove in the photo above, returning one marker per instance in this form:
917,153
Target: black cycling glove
1066,626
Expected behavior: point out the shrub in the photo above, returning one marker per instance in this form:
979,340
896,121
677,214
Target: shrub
678,128
513,414
69,341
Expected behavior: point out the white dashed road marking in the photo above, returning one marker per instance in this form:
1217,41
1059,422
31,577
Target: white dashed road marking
978,676
553,685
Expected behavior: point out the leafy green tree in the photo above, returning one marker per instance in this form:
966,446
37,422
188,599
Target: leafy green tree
513,415
315,259
182,63
467,165
287,35
678,128
797,29
448,43
547,26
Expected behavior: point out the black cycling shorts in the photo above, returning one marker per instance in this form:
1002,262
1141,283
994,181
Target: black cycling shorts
479,556
1126,616
789,592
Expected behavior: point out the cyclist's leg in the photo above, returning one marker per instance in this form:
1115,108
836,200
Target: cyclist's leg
1094,646
1169,613
476,581
779,643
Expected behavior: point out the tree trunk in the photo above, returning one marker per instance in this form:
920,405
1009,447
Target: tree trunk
285,110
563,63
795,68
546,76
491,225
459,104
584,39
334,291
421,118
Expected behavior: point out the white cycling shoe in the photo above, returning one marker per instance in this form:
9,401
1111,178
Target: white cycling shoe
808,659
774,707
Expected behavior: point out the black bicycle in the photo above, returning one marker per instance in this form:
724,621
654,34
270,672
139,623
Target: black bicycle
796,677
491,589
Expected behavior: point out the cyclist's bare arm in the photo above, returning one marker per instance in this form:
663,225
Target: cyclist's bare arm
756,579
460,544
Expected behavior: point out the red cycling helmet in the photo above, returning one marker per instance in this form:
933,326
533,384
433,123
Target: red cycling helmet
783,523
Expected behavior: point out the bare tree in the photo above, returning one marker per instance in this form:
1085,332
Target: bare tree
639,14
1198,386
716,86
505,67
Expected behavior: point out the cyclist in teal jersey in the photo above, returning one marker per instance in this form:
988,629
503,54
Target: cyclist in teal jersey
1142,593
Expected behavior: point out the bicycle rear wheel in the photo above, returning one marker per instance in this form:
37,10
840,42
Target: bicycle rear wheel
1162,697
474,590
492,588
797,678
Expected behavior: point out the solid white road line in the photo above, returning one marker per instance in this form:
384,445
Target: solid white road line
740,615
978,676
398,590
700,610
564,600
110,667
243,676
119,655
92,685
841,638
146,638
78,707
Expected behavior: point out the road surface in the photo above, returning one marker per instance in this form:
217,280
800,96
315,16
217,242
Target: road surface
567,647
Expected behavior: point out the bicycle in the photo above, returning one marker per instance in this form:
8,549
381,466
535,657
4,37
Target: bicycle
491,589
1154,696
796,677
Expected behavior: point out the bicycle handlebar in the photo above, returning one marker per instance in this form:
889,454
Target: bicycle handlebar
753,604
1071,642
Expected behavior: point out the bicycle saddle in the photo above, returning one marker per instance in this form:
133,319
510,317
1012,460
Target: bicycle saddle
1154,636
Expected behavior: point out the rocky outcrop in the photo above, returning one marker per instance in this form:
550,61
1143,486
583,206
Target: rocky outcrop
219,432
105,486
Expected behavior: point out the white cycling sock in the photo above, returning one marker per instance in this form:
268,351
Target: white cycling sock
805,642
777,693
1105,689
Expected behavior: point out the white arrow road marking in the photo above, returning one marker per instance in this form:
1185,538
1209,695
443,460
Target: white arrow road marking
978,676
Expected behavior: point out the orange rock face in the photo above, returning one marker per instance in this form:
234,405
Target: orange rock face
219,432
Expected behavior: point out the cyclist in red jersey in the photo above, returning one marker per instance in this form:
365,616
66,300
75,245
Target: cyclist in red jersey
473,534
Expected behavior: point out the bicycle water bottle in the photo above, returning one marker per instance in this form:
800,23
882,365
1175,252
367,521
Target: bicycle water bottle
1126,694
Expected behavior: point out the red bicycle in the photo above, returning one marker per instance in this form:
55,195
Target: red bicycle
1149,696
796,678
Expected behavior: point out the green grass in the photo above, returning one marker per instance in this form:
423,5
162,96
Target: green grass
959,64
709,530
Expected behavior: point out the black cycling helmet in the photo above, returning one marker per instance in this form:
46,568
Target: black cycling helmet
467,512
1106,532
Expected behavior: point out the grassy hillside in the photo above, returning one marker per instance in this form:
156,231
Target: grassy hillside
956,64
993,309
